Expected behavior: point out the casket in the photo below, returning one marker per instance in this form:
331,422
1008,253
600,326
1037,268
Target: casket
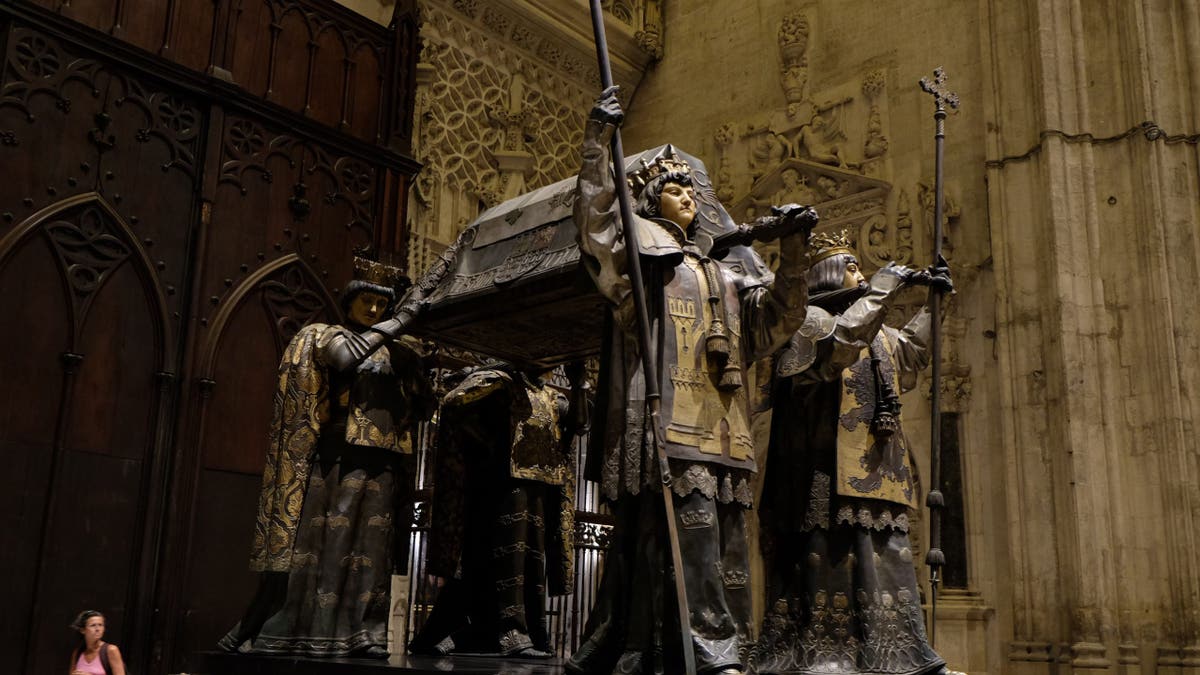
517,290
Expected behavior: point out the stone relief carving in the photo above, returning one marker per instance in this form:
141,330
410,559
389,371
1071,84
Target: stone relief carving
827,148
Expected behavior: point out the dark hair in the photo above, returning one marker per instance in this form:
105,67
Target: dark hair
647,205
358,286
80,621
830,273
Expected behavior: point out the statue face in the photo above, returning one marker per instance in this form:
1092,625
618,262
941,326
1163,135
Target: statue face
678,204
367,308
790,178
853,276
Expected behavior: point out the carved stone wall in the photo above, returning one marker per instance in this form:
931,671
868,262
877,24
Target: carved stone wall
1072,206
503,91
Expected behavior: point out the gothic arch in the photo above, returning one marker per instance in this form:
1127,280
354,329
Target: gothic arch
255,282
91,243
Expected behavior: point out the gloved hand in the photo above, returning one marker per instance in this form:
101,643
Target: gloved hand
608,109
891,277
935,276
939,276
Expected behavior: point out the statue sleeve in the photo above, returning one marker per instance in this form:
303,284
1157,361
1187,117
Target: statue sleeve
772,314
912,347
600,238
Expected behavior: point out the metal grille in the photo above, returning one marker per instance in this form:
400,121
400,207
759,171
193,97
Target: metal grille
567,615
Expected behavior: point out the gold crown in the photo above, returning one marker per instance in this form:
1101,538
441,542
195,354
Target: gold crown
638,180
378,273
827,244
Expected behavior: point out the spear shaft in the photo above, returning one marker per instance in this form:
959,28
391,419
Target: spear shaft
936,502
649,367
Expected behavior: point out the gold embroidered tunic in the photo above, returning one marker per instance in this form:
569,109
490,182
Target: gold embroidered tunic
707,431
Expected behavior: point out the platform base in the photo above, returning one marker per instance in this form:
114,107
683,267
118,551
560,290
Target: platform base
222,663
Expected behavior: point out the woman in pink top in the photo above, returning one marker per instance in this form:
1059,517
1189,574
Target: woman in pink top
93,656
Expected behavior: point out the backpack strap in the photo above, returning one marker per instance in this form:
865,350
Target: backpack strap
104,658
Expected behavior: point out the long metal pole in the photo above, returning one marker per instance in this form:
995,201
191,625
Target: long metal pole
649,362
936,502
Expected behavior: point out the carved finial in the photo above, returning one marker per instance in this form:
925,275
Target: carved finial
941,96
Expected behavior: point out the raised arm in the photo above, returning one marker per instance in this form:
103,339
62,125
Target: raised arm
600,237
772,314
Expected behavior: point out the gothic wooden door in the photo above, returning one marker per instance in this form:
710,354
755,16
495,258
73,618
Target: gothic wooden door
163,232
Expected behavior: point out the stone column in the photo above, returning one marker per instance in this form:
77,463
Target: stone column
1093,207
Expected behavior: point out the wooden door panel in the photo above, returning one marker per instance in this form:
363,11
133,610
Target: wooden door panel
269,310
329,77
191,38
99,14
292,59
365,87
222,541
239,414
37,330
116,393
253,45
89,559
144,23
149,177
91,270
48,99
280,194
107,257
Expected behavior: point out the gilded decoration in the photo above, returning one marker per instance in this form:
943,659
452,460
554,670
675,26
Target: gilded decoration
696,420
301,406
869,467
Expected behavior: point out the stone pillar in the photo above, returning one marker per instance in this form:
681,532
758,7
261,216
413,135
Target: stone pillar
1093,204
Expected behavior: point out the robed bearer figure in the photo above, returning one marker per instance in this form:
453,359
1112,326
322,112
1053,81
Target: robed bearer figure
842,595
503,521
710,313
336,500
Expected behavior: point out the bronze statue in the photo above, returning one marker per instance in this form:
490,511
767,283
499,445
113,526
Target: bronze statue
334,513
503,521
713,308
842,594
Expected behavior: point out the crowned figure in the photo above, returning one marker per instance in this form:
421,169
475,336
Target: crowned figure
710,316
336,501
842,594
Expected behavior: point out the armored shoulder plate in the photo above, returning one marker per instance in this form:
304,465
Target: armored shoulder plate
801,349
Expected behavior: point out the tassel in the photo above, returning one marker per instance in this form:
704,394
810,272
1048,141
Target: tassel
717,343
731,378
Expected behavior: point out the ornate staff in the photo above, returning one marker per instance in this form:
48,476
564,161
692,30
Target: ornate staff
935,559
653,397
